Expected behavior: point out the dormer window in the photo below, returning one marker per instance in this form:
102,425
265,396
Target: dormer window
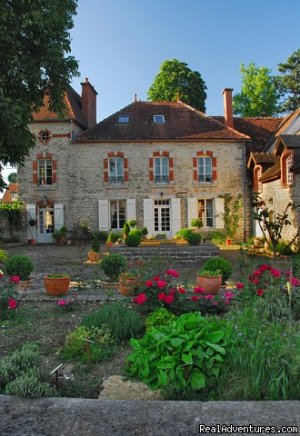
123,119
158,119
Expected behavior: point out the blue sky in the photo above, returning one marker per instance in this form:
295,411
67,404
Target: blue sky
121,44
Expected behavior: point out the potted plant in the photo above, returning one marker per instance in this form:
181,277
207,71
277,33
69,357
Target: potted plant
32,222
60,235
19,267
193,238
94,255
113,265
57,284
129,282
209,280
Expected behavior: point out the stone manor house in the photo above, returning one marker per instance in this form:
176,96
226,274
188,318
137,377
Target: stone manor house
161,163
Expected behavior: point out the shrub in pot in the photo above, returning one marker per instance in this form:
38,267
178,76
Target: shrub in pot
209,280
93,255
57,284
183,233
193,238
113,265
133,240
221,264
19,265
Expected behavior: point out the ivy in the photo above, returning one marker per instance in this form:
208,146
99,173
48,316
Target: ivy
13,214
231,213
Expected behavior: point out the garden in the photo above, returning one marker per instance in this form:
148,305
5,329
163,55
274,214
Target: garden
156,323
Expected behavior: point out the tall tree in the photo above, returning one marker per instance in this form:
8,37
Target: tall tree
34,42
259,96
289,82
176,80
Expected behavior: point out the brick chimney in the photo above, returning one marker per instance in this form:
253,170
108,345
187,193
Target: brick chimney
228,112
89,102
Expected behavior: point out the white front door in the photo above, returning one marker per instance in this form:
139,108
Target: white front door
45,225
162,218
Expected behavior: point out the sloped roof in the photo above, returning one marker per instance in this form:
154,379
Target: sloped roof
273,172
11,189
73,110
182,122
291,141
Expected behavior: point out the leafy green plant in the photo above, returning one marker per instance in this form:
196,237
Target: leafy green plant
219,263
122,322
209,272
29,385
183,233
231,213
19,265
217,237
126,229
193,238
131,223
95,244
197,222
58,275
101,235
3,256
144,231
133,240
113,265
159,317
92,344
136,232
180,357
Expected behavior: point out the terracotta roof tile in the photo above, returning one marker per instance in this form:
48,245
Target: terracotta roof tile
182,122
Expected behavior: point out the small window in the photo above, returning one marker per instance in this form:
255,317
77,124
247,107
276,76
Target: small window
158,119
123,119
44,136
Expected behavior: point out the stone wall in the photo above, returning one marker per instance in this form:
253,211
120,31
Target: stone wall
7,232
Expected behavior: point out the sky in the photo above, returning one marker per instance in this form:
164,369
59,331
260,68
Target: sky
120,44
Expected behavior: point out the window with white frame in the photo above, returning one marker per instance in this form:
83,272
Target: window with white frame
158,119
117,214
161,169
206,212
289,174
205,169
45,172
116,170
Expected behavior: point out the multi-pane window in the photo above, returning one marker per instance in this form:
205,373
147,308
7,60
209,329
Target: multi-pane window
205,212
116,170
161,169
45,171
162,216
117,214
289,174
205,169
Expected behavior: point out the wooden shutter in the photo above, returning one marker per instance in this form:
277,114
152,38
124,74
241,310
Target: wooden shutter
219,213
31,214
131,209
175,216
103,210
58,216
192,210
148,215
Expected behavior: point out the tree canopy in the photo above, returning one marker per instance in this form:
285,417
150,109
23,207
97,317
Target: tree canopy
259,96
176,81
289,82
34,43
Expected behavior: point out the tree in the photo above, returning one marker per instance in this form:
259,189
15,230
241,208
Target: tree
259,96
12,178
176,80
34,40
289,82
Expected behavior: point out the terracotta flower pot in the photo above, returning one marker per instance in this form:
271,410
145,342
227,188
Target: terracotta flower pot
128,285
57,286
93,256
210,284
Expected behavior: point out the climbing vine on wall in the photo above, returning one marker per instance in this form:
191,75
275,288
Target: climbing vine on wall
12,214
232,214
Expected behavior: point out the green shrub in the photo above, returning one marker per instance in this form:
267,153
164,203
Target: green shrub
131,223
144,231
133,240
95,244
218,237
193,238
115,236
113,265
88,344
181,357
3,256
19,265
136,232
101,235
29,385
159,317
183,233
122,322
219,263
126,229
197,222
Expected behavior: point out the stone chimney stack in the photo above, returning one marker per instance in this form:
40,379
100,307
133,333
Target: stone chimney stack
89,103
228,111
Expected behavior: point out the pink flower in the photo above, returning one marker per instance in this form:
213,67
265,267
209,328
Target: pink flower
149,283
161,283
172,272
161,296
260,292
61,302
172,292
209,297
181,291
240,285
12,304
215,303
169,299
257,272
275,272
295,281
229,294
15,279
198,290
141,299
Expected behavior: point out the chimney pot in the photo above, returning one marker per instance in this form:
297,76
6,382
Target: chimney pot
228,111
88,102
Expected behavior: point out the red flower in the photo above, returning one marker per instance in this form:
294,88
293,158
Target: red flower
255,281
15,279
161,283
140,299
295,281
172,272
172,292
257,272
263,267
12,304
156,278
240,285
198,290
161,296
275,272
209,297
169,299
181,291
149,283
260,292
194,298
